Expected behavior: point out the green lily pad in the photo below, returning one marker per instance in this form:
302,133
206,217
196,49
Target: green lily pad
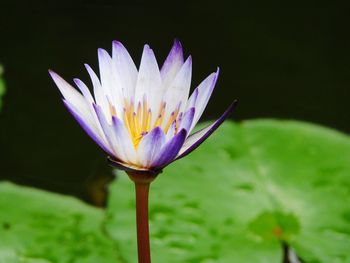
2,85
248,189
41,227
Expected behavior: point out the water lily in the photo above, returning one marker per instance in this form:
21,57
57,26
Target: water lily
141,118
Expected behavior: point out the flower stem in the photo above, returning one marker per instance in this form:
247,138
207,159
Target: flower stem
143,244
142,185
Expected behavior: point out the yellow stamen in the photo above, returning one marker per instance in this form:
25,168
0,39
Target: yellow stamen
126,121
136,140
145,115
138,121
148,121
171,119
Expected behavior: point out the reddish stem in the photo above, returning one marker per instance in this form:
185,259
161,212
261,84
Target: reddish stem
142,222
142,185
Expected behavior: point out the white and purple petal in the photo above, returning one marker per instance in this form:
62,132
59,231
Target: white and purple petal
192,100
125,69
111,86
90,101
172,64
149,82
100,96
177,93
187,119
169,150
89,128
150,145
69,93
204,90
196,139
110,134
171,132
124,140
84,90
117,137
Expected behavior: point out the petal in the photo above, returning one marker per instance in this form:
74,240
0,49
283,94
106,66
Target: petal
117,137
150,145
192,100
111,85
89,128
177,93
100,97
172,64
84,90
205,89
90,100
70,93
199,137
169,151
149,82
171,132
111,135
187,120
125,69
124,140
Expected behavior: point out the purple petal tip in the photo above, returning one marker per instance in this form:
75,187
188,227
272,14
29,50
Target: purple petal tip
216,76
189,59
52,73
157,130
177,44
102,51
182,133
117,43
216,124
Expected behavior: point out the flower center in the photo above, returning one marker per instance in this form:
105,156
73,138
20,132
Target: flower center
138,120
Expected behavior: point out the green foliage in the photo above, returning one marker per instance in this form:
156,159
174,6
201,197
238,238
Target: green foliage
2,85
40,227
249,188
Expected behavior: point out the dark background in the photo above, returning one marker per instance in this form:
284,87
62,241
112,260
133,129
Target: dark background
281,61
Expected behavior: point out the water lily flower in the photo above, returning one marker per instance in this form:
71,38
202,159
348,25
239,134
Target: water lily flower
142,118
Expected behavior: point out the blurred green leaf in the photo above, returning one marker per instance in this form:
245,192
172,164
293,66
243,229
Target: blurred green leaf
249,188
2,85
41,227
